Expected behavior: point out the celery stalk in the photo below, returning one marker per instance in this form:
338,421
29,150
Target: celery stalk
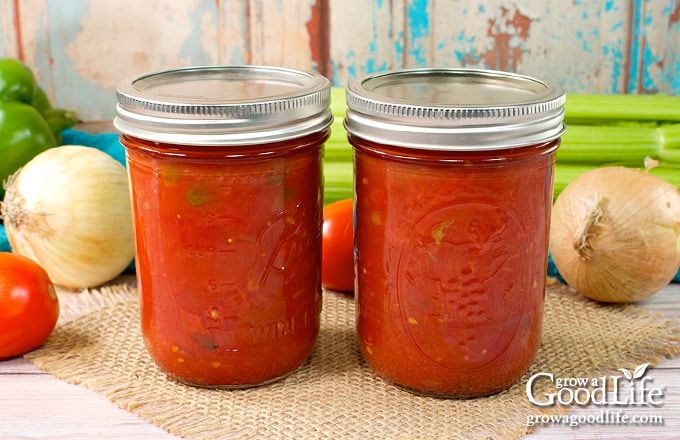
338,132
670,156
601,130
607,144
338,103
587,109
338,181
670,134
338,153
339,173
602,109
668,174
339,184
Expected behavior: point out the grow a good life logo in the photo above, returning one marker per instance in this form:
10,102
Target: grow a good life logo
630,389
584,391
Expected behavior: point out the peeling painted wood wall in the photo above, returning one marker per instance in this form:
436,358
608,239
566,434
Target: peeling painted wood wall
80,49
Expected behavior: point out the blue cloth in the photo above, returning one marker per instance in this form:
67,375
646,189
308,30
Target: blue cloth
4,243
110,144
552,269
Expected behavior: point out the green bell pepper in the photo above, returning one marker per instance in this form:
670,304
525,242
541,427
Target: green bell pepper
28,123
40,101
58,119
17,83
23,135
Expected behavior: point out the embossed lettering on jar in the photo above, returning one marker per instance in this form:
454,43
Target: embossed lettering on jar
225,168
453,188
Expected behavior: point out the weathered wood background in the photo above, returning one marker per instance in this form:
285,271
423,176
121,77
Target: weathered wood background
80,49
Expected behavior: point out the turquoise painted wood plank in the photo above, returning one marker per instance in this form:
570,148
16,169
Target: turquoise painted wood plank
231,33
35,43
658,48
80,49
580,45
398,33
670,82
95,44
418,34
614,29
636,39
366,37
279,34
8,31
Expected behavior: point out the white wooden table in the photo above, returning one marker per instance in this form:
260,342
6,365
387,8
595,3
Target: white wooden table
36,405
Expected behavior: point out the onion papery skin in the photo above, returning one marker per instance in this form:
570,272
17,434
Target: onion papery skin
615,234
69,210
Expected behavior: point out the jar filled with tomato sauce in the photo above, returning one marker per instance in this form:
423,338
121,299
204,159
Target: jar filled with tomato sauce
225,173
453,190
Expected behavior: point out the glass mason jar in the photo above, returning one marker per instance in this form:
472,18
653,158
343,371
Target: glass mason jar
225,173
453,190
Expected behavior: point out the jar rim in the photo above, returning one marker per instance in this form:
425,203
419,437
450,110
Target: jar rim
223,105
454,109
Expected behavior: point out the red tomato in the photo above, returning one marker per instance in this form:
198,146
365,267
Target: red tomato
337,267
29,307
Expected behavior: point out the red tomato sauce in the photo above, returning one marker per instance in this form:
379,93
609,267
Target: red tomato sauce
228,257
451,254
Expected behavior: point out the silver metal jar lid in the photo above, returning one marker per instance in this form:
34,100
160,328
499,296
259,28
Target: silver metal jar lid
454,109
223,105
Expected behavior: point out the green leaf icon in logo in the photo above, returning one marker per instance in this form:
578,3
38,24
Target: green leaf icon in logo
626,373
640,371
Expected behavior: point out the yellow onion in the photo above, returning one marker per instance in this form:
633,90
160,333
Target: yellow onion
69,210
615,234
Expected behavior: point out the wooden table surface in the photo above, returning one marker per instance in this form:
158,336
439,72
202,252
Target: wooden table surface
36,405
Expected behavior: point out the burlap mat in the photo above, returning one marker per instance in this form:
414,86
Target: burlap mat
334,395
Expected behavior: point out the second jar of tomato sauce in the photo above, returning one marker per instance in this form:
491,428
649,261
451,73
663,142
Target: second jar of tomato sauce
225,173
453,189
